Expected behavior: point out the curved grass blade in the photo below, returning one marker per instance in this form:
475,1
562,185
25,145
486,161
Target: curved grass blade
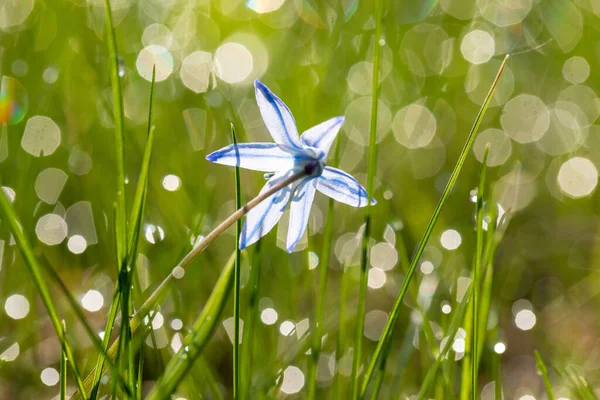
195,341
541,367
391,322
364,259
36,272
237,279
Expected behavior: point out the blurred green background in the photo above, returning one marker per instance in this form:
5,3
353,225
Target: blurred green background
439,59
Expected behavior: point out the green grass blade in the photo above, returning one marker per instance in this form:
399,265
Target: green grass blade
93,381
391,322
195,341
9,215
140,372
119,132
541,367
497,375
63,368
250,322
364,259
237,279
341,339
322,290
476,271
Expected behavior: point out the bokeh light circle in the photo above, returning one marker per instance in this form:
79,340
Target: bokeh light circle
233,62
525,118
577,177
51,229
477,46
576,70
154,55
414,126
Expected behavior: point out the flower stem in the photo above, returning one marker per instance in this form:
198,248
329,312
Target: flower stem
364,260
237,283
395,312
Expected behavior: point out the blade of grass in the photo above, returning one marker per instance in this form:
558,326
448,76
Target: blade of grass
250,322
486,289
9,215
119,131
237,274
541,367
477,271
391,322
63,368
497,374
341,339
322,290
364,259
140,371
195,341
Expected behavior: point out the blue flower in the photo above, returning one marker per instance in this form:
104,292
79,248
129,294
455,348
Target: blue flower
289,154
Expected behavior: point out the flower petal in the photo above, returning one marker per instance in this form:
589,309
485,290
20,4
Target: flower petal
267,157
322,136
342,187
278,118
300,211
262,218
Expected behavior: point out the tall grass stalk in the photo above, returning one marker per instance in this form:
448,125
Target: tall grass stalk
364,259
322,290
63,367
477,271
341,339
118,114
497,375
237,281
391,322
541,367
250,322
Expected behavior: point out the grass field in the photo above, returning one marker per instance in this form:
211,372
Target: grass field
484,169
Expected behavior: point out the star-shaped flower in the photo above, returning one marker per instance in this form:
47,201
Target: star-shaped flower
289,154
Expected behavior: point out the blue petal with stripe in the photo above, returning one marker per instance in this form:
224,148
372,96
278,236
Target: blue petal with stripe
278,117
342,187
266,157
262,218
300,211
323,135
